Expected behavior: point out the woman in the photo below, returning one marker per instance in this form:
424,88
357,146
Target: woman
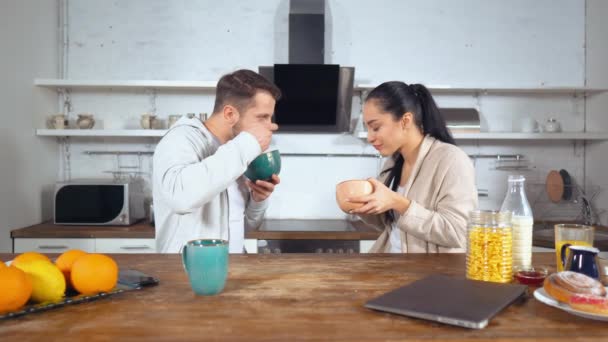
427,188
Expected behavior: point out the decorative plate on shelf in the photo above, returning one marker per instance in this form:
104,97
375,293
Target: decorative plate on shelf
542,296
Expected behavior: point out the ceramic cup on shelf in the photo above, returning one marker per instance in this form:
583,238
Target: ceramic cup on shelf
85,121
529,125
173,119
58,121
206,264
148,121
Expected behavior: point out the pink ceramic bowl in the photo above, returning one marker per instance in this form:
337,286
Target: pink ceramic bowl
349,189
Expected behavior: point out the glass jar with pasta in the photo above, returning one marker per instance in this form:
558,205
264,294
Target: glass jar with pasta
489,246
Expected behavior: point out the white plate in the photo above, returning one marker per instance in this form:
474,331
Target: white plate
8,263
545,298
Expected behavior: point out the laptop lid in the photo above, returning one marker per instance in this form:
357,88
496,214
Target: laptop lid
456,301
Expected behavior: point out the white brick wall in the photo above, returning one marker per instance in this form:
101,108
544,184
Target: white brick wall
469,43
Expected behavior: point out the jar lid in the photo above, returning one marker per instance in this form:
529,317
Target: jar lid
490,217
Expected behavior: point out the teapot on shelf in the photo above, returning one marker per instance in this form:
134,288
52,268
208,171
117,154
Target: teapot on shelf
85,121
552,126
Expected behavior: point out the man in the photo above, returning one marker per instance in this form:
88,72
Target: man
199,191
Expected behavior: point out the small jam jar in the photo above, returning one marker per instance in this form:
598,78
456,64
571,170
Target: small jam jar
531,276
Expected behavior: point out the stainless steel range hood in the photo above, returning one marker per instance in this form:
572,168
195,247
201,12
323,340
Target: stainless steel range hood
306,31
462,120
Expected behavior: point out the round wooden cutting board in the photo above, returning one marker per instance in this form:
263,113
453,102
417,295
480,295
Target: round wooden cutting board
555,186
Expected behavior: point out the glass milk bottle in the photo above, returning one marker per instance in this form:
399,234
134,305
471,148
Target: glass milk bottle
521,220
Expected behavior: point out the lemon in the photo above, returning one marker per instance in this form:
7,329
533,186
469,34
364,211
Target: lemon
48,282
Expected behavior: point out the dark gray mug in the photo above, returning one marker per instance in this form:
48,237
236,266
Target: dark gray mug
583,259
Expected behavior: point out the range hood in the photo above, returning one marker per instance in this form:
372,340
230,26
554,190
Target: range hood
317,97
462,120
306,31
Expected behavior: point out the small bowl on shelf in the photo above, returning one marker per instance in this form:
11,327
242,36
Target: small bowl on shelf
530,275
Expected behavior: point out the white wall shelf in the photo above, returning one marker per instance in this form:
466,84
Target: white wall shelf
523,136
210,85
101,132
362,135
124,84
444,89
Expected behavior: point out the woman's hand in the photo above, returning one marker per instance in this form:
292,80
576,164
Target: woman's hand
261,190
380,201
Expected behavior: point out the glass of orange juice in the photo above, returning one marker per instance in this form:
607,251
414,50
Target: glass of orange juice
567,235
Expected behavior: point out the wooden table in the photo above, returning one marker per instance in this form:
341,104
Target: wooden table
288,298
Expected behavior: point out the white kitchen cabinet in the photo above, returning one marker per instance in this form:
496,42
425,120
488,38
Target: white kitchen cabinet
365,245
125,245
49,245
251,246
90,245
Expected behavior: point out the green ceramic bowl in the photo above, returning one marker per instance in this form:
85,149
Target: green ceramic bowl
264,166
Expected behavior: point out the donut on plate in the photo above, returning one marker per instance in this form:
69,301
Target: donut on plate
563,285
590,303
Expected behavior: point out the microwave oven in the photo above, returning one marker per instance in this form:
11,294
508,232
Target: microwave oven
92,202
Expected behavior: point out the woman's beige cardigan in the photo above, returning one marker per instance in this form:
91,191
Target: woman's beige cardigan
442,191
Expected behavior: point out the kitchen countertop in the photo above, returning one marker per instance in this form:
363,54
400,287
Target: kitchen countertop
287,298
272,229
142,230
544,235
292,229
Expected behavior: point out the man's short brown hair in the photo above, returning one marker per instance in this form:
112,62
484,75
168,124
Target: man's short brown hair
239,88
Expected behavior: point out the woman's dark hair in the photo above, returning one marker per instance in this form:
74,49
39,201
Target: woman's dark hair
398,98
239,88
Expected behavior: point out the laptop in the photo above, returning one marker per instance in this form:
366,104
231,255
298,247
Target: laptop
456,301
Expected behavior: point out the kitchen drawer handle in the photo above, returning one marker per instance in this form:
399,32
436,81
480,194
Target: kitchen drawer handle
136,247
52,247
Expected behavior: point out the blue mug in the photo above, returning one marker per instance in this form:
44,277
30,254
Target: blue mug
583,259
206,263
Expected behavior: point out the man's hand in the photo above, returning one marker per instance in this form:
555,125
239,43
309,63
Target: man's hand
261,190
263,133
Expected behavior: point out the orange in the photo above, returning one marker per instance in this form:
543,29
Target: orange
65,262
29,256
2,264
15,289
93,273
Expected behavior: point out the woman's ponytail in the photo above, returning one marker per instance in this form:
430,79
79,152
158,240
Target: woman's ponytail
432,122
